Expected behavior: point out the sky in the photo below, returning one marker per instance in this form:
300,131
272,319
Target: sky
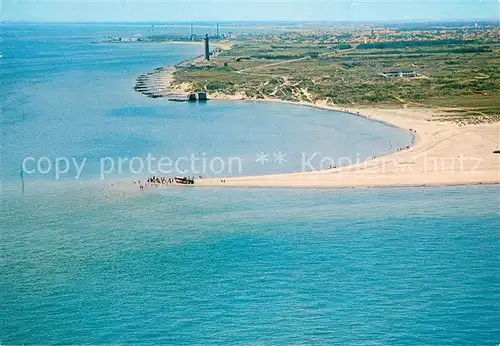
248,10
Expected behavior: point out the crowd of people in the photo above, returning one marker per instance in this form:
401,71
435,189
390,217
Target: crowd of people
155,181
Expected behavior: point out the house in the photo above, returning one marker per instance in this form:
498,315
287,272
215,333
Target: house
399,73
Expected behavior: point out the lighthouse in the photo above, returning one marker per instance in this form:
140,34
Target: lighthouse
207,47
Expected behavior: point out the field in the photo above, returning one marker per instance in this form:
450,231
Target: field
462,78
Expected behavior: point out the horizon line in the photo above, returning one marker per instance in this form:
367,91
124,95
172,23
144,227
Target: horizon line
388,21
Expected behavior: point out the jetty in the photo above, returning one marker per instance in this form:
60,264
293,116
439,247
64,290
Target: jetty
158,84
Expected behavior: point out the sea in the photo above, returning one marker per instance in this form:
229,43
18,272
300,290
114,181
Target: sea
89,258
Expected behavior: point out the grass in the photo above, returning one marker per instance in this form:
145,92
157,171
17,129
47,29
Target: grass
468,80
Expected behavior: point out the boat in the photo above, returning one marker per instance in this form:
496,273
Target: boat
184,180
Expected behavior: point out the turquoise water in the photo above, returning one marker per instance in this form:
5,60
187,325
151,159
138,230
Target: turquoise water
84,262
394,266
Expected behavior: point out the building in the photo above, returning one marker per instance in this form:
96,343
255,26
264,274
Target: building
202,96
400,74
207,47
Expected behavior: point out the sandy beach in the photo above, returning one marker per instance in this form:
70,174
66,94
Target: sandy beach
444,154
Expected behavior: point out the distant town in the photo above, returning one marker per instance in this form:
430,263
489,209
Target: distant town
487,32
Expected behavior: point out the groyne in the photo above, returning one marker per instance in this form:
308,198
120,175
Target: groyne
159,84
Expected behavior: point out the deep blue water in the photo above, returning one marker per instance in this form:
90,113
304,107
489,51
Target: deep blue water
393,266
87,263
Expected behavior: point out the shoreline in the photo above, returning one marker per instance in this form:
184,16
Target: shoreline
221,45
444,153
434,160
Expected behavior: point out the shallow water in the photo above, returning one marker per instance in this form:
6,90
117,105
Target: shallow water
67,97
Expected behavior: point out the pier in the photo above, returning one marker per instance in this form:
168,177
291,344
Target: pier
157,84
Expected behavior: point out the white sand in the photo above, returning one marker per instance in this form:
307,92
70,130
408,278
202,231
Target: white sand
444,154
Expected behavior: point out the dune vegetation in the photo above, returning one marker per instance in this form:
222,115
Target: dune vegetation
462,78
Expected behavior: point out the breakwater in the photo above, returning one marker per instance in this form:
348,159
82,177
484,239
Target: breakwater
158,84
